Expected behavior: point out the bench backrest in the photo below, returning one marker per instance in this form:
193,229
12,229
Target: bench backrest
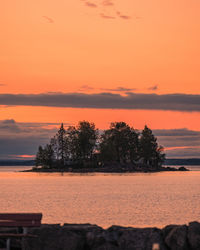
20,219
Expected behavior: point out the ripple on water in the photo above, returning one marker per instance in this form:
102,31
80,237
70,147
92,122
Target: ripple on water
154,199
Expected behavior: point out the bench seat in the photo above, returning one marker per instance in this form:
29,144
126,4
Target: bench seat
18,220
11,235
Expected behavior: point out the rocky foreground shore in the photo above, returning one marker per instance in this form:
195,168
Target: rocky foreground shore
92,237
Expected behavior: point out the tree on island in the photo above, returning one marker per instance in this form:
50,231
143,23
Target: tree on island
58,144
82,146
75,145
81,141
150,152
39,160
45,156
119,143
87,136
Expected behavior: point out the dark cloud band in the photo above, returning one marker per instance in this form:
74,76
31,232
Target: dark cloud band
18,138
174,102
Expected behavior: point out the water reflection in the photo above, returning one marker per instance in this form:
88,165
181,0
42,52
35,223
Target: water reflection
137,199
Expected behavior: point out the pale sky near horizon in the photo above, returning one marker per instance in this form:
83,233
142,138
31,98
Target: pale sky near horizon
101,46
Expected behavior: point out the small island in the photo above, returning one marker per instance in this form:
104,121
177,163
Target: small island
85,149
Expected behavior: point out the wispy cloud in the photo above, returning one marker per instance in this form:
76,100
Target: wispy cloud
90,4
155,87
178,139
10,126
119,89
181,132
181,143
22,157
18,140
106,16
86,87
107,3
181,147
123,16
2,84
107,9
49,19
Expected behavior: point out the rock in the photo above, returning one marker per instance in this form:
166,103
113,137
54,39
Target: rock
101,240
166,230
194,235
139,238
175,237
183,169
92,237
121,238
54,238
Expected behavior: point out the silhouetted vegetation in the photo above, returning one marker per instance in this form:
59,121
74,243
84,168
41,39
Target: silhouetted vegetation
83,146
119,143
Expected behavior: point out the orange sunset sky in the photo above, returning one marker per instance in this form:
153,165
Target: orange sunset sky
132,51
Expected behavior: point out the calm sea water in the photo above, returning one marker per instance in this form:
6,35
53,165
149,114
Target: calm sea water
141,199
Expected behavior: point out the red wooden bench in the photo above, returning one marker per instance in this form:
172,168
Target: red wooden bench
19,220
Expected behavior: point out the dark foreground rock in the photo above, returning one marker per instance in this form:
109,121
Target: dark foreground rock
92,237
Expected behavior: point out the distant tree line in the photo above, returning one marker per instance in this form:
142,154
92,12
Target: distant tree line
85,146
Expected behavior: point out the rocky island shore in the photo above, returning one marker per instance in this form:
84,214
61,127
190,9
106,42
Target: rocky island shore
109,169
93,237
